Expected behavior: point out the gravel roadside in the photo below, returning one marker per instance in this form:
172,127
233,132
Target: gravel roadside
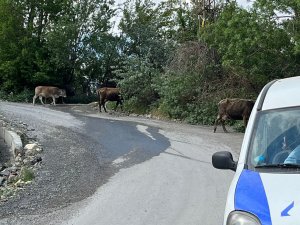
69,172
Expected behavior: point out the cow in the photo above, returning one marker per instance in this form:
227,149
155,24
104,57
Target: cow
48,92
106,94
235,109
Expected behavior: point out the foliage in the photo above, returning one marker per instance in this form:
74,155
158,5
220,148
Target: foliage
186,89
145,54
143,33
138,84
179,21
46,43
26,174
23,96
183,98
253,44
287,13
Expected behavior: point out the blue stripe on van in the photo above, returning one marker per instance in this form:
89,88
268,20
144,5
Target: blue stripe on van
250,196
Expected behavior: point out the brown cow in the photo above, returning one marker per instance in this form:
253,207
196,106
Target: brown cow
235,109
48,92
106,94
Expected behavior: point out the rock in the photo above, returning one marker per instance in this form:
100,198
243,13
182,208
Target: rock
18,159
2,179
7,164
29,147
36,160
32,149
39,150
18,164
13,169
19,183
12,178
5,172
26,162
29,152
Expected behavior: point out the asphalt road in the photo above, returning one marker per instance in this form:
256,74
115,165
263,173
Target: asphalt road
118,170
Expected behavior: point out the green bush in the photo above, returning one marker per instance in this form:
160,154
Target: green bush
204,113
26,174
23,96
239,126
139,85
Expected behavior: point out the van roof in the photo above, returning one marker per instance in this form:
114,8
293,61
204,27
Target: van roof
283,93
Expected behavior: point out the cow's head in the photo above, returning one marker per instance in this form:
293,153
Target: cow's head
62,92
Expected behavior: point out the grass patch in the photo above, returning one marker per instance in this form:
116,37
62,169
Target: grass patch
26,174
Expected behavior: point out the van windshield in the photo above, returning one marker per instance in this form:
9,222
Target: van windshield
276,139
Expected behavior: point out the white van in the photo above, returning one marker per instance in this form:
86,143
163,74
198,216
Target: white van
266,187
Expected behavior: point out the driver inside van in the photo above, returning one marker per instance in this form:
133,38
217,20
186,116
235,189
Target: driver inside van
293,157
280,140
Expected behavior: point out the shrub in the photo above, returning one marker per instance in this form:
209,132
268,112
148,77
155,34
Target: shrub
23,96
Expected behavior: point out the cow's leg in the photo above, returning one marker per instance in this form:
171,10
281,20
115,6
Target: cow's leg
103,104
41,99
223,125
216,123
245,119
121,105
223,119
33,101
53,100
99,103
121,101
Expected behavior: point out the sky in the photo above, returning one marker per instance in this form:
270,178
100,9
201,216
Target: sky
244,3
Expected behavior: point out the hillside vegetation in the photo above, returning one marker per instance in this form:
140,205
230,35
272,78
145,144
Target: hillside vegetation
175,59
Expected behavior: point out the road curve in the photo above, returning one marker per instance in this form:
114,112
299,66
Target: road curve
176,185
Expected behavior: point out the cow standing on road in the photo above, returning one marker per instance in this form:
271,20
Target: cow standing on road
235,109
106,94
48,92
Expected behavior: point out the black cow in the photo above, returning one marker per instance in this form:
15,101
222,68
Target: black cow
235,109
106,94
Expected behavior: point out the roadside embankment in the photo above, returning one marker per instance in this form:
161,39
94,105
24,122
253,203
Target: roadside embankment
18,158
12,140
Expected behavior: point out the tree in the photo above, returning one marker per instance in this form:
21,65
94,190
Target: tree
190,83
13,46
286,12
74,39
252,45
46,42
145,50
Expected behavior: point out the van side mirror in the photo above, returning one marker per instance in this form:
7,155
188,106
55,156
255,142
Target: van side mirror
224,160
